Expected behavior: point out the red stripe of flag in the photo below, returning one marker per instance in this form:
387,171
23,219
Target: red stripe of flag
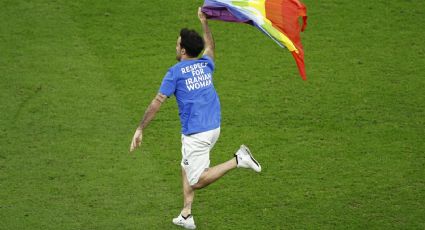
284,15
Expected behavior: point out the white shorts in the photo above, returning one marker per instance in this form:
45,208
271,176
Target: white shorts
196,153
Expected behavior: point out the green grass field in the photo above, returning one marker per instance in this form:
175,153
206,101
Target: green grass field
343,150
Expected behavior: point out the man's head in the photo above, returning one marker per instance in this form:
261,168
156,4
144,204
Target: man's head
189,44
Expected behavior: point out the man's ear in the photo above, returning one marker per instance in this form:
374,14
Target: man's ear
183,51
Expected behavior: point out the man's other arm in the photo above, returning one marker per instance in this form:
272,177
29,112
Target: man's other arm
150,113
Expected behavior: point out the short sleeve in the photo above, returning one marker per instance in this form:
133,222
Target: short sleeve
210,61
168,85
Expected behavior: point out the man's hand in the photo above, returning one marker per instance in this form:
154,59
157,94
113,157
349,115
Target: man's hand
202,17
137,139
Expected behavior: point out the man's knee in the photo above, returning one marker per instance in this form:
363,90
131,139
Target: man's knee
200,184
196,186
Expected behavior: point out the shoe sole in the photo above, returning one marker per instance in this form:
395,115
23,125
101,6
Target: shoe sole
252,158
185,227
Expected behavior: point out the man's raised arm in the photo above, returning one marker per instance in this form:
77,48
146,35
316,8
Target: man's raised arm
208,38
149,115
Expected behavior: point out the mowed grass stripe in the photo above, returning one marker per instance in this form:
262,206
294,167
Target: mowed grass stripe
61,119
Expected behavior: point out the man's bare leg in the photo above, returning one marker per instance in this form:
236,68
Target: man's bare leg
188,195
207,177
212,174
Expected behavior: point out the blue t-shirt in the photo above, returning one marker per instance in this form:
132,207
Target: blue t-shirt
191,81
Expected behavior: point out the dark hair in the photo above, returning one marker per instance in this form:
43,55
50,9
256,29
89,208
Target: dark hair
191,41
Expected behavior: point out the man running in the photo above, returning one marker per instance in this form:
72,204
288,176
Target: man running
191,82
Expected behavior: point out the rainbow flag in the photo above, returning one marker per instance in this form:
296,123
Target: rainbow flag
276,18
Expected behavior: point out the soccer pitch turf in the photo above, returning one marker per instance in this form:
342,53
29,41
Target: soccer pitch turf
343,150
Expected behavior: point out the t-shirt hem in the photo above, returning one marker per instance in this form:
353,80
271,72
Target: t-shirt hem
166,94
200,130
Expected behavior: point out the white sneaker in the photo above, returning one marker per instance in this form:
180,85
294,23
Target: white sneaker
188,223
245,159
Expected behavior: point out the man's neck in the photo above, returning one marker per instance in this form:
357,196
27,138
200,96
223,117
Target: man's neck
185,57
